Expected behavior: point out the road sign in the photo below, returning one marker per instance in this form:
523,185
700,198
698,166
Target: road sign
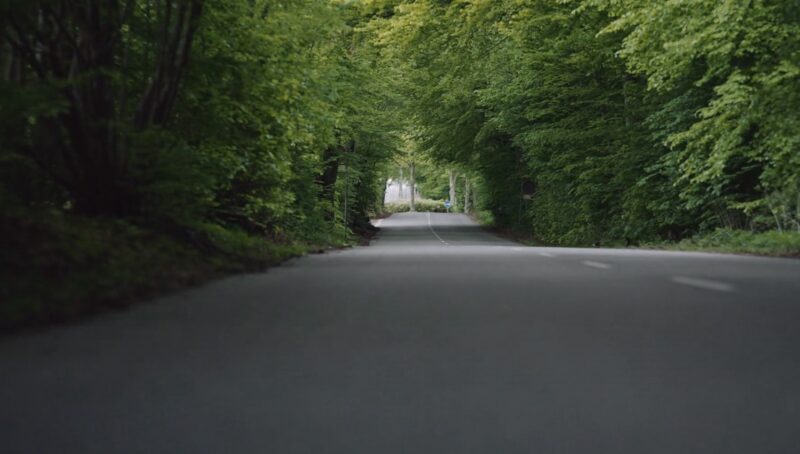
447,204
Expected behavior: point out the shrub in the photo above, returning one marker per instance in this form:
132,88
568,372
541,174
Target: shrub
423,205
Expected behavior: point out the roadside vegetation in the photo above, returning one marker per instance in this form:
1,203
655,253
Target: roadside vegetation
424,205
149,144
600,122
769,243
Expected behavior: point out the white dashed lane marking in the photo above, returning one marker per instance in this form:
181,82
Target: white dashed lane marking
523,249
705,284
598,265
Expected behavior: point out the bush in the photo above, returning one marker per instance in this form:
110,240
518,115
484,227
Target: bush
423,205
484,217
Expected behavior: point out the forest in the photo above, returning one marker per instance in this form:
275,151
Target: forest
147,145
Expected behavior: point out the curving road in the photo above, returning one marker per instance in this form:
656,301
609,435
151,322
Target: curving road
438,338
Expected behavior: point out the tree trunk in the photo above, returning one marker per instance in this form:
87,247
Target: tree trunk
330,172
160,95
413,188
466,195
453,182
331,161
78,46
383,193
12,67
400,185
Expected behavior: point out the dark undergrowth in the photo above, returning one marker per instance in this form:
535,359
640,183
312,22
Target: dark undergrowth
57,267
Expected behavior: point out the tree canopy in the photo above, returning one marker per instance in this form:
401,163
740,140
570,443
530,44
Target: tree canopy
633,120
578,122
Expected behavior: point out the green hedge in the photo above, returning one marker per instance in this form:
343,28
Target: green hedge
424,205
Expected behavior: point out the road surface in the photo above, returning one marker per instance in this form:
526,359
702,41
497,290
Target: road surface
438,338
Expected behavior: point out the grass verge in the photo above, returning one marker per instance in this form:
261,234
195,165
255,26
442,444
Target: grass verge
770,243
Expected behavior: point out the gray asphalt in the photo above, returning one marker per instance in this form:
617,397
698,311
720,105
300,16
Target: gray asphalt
438,338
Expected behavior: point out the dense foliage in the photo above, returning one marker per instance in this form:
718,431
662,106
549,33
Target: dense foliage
192,111
600,121
194,123
212,127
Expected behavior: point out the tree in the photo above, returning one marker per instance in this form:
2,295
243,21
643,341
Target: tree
81,52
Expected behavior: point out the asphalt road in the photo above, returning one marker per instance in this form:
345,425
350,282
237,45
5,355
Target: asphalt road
438,338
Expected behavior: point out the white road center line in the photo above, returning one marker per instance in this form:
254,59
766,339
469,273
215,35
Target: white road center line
547,254
703,283
598,265
430,224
